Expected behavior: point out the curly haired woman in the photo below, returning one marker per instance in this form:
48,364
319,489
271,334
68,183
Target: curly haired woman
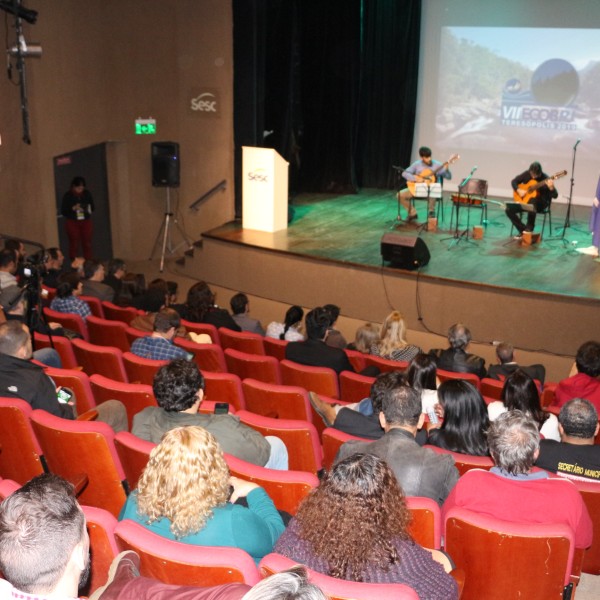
392,342
354,526
184,494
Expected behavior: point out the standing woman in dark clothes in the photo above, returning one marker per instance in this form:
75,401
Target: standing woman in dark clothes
77,208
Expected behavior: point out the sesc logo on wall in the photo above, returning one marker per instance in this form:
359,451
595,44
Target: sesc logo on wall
205,102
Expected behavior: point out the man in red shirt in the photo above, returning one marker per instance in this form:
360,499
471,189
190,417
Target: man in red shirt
585,382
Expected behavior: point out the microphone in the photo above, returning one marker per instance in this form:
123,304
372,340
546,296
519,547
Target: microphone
576,144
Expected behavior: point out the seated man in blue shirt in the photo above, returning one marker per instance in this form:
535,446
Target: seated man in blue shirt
159,345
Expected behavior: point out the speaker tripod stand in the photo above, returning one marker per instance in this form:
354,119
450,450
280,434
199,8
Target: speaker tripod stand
164,232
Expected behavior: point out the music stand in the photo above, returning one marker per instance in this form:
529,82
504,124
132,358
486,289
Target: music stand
426,191
469,191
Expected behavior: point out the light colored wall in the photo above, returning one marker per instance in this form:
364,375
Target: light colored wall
105,63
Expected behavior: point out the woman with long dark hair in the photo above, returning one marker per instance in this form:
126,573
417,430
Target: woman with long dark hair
200,308
289,330
421,374
520,392
465,419
354,526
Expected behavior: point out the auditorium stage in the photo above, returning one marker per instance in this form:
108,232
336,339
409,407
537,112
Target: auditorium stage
348,229
543,297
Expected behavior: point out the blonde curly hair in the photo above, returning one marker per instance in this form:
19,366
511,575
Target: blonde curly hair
185,479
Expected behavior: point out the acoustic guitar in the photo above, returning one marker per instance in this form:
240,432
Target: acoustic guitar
429,176
532,186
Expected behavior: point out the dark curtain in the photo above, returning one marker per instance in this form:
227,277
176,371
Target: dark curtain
331,85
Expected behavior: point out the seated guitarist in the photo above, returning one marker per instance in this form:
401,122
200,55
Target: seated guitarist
424,170
540,198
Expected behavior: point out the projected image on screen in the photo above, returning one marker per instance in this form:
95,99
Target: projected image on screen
518,89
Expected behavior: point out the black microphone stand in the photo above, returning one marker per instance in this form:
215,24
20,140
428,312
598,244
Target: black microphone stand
567,222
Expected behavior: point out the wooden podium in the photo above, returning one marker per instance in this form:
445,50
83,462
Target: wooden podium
265,190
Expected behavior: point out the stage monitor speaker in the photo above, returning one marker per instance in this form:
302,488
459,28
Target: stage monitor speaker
404,252
165,164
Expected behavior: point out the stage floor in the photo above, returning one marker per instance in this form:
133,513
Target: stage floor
348,229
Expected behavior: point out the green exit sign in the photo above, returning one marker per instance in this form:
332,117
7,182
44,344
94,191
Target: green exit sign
145,126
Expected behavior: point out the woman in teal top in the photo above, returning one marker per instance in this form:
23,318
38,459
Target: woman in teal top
186,494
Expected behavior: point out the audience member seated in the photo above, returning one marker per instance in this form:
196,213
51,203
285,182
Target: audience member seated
392,344
463,419
421,374
44,553
520,392
455,357
152,299
511,491
366,335
361,418
159,346
53,267
420,471
8,268
314,351
115,272
67,296
184,494
179,391
584,381
240,309
18,248
200,308
334,338
12,301
354,526
133,291
506,355
575,456
290,329
93,272
20,378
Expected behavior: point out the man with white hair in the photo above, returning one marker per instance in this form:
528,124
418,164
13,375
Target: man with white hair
455,358
511,491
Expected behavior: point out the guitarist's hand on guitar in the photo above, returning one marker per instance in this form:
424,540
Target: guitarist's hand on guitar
419,179
521,193
550,184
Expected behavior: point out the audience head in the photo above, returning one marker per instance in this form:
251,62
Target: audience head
393,333
166,320
68,284
185,479
55,258
43,538
12,300
8,260
293,316
459,336
421,373
334,313
172,288
238,303
465,417
505,352
317,323
15,340
383,383
353,518
578,418
401,406
514,442
93,269
17,246
200,300
521,393
178,385
116,268
587,359
366,335
292,584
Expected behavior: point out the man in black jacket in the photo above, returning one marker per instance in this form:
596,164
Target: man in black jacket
455,358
